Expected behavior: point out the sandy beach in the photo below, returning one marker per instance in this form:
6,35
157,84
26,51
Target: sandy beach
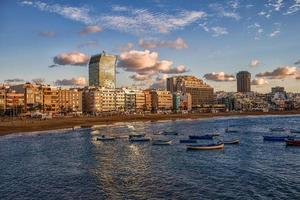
28,125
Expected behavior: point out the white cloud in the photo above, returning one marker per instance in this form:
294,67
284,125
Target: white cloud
147,63
179,43
280,72
90,29
72,58
80,14
259,81
218,31
141,21
224,13
274,33
134,21
258,30
79,81
293,8
254,63
219,76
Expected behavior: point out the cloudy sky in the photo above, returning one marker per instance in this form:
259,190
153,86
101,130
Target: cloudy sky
213,40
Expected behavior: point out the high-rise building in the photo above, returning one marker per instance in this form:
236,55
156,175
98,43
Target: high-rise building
200,92
243,79
102,70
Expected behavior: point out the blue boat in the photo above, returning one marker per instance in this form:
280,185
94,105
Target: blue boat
169,133
201,137
277,138
188,141
295,130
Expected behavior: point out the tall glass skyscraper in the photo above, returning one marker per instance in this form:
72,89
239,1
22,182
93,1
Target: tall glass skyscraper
102,70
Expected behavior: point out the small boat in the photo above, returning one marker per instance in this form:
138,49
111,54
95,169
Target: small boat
215,134
95,132
295,130
228,130
201,137
219,145
235,141
277,138
278,129
170,133
162,142
139,139
292,142
85,126
188,141
105,138
136,135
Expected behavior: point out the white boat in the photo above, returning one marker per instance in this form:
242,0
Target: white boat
162,142
105,138
206,147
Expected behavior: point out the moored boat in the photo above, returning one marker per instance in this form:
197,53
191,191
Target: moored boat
235,141
188,141
219,145
292,142
169,133
228,130
277,138
278,129
136,135
162,142
139,139
295,130
105,138
201,137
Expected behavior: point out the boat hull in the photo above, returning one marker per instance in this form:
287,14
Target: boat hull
232,142
294,131
169,142
277,138
290,142
188,141
201,137
139,140
206,147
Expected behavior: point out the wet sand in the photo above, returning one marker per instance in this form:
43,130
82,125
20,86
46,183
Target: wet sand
29,125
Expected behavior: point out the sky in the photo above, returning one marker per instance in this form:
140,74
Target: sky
153,39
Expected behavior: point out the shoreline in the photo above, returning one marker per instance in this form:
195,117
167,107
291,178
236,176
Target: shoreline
33,125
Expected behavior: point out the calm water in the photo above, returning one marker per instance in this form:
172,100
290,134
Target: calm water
72,165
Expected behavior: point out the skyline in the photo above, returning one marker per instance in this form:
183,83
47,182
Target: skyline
209,39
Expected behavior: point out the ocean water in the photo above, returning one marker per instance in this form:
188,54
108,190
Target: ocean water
73,165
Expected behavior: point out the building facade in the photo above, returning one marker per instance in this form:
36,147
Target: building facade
162,100
243,80
102,70
200,92
70,100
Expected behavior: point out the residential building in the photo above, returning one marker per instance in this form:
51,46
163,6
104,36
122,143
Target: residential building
102,70
70,100
200,92
148,100
50,99
162,100
243,79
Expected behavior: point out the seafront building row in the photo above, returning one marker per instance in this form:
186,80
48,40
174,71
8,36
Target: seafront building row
31,98
182,94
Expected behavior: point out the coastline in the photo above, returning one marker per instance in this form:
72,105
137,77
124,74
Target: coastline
31,125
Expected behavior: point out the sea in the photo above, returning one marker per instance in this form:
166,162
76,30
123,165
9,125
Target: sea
72,164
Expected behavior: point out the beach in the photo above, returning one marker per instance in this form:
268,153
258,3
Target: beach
9,126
